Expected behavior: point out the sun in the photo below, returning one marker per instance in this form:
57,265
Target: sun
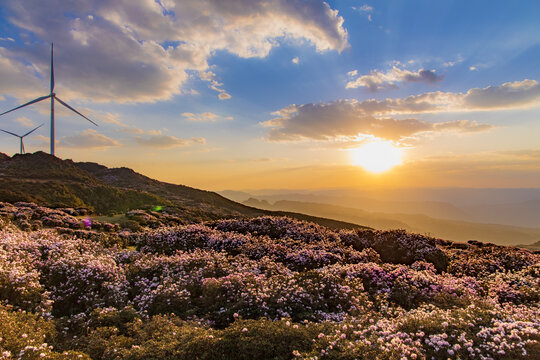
377,156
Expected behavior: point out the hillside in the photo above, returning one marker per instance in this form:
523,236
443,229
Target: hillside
446,229
261,288
47,180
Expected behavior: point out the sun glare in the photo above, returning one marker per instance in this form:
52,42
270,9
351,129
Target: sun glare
377,156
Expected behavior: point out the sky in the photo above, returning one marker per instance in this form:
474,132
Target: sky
297,94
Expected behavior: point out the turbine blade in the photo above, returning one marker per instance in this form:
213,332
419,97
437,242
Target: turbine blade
28,103
52,69
9,132
31,131
75,111
22,146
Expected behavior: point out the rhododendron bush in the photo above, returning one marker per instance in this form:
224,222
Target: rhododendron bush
264,288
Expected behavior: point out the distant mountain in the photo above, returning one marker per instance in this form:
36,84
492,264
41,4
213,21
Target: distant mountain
238,196
53,182
437,209
442,228
533,247
513,207
526,213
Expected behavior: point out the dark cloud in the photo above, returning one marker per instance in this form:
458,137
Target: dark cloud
378,80
427,76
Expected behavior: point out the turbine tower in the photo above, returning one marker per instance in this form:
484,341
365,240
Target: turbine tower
53,97
22,136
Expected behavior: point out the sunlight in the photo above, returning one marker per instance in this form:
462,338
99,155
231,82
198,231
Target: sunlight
377,156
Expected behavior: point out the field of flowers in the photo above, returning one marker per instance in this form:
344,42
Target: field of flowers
262,288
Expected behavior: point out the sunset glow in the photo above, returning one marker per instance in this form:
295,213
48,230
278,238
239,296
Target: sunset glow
254,91
377,156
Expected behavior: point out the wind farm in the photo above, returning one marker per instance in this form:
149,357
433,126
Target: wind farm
53,97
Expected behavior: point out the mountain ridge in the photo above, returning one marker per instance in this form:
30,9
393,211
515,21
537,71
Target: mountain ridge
54,182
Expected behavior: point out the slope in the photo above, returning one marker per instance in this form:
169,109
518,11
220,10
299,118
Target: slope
50,181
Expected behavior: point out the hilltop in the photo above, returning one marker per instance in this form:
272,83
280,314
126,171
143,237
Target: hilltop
49,181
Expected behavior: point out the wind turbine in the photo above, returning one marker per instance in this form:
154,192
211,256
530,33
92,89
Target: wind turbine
22,136
53,97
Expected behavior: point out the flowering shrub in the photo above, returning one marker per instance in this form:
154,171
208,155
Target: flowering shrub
265,288
480,261
397,246
19,279
80,276
74,275
26,336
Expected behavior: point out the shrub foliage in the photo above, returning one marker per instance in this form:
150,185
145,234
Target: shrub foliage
264,288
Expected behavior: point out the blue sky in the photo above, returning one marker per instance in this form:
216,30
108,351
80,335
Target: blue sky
248,94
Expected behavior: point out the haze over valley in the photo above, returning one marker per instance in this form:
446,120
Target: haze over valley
503,216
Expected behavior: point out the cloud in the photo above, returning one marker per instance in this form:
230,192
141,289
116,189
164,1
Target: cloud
348,119
167,141
142,51
526,154
214,84
224,96
24,121
18,80
377,80
365,10
205,117
510,95
88,139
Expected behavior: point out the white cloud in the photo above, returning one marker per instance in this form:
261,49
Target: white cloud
167,141
24,121
215,85
378,80
202,117
224,96
87,139
365,10
141,50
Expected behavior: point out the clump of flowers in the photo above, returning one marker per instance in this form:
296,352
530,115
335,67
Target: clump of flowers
264,288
